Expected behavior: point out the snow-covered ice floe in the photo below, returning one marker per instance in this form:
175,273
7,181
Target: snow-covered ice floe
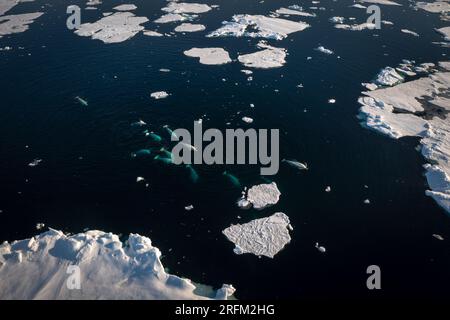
263,195
258,26
262,237
269,57
114,28
41,267
172,17
445,32
183,7
388,77
151,33
210,56
189,27
417,108
17,23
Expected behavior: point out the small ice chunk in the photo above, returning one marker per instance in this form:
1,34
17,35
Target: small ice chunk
247,119
262,237
270,57
410,32
331,100
320,248
328,189
159,95
189,207
35,162
324,50
40,226
367,201
151,33
140,179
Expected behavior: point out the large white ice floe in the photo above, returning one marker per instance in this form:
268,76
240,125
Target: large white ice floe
183,7
44,267
190,27
263,195
269,57
258,26
6,5
417,108
17,23
209,56
172,17
262,237
114,28
434,7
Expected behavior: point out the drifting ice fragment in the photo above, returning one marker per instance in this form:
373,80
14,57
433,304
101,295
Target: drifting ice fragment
296,164
263,195
247,119
320,248
159,95
438,236
81,101
262,237
35,162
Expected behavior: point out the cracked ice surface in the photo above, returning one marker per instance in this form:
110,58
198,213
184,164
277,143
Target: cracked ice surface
417,108
37,268
262,237
263,195
266,27
114,28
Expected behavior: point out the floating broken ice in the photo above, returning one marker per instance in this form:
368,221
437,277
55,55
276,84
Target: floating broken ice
263,195
262,237
270,57
17,23
159,95
417,108
117,27
39,268
264,27
189,27
209,56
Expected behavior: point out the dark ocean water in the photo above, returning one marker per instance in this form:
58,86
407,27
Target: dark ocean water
88,180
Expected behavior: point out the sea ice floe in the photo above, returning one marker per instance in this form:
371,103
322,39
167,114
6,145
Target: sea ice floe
151,33
445,32
269,57
209,56
189,27
125,7
17,23
337,19
262,237
159,95
183,7
385,2
356,27
293,12
247,119
417,108
258,26
115,28
324,50
434,7
6,5
263,195
38,268
388,77
172,17
410,32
